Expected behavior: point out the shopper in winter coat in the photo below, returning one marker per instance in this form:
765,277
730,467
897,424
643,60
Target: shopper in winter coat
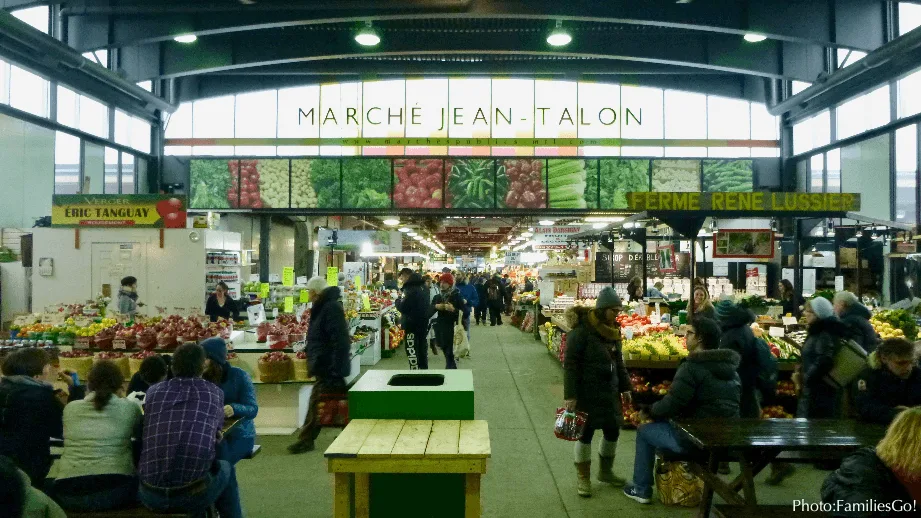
703,308
128,297
528,284
494,296
328,348
594,379
857,317
449,305
471,299
239,401
735,324
415,306
20,499
891,383
480,310
819,399
706,386
31,412
888,474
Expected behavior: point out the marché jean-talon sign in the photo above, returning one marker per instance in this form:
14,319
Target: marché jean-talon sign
742,202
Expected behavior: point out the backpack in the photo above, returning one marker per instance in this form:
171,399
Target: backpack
493,292
767,368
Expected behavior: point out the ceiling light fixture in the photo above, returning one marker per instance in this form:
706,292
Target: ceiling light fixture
596,219
392,222
752,37
599,225
546,222
527,234
413,234
559,37
367,36
186,38
405,229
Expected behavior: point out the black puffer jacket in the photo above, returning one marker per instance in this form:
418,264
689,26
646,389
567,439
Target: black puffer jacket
819,399
737,336
877,392
861,478
594,369
705,386
328,343
415,305
857,318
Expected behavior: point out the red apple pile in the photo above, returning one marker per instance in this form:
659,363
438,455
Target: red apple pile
173,213
775,412
110,355
419,183
274,356
142,355
76,353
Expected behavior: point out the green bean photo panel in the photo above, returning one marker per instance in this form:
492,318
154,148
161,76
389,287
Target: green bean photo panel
728,176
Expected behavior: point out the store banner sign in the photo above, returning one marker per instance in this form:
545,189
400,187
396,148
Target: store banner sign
742,202
119,210
512,258
380,240
555,238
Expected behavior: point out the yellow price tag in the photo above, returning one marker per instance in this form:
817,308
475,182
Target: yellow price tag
289,304
332,276
264,290
287,276
358,282
305,297
365,302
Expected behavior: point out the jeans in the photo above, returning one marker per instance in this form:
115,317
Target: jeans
220,490
466,323
109,492
417,351
661,435
444,336
233,449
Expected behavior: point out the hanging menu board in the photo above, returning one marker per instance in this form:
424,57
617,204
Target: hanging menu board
629,265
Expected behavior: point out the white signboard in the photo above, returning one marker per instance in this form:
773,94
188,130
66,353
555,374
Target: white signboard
789,275
555,238
512,258
380,241
839,283
546,292
808,281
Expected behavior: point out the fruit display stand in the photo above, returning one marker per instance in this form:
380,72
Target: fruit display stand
444,397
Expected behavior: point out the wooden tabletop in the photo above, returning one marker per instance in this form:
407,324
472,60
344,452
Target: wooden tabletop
401,439
780,434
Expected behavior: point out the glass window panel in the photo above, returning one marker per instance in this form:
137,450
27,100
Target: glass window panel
728,118
255,150
642,151
37,17
28,92
685,115
812,133
213,118
66,163
798,86
257,115
601,101
296,150
140,134
641,105
391,117
847,57
100,57
465,95
816,174
93,117
295,106
111,171
765,152
141,175
4,82
122,128
431,95
212,150
865,170
833,167
679,152
729,152
336,99
764,125
803,178
177,150
906,180
146,85
127,173
562,117
179,124
863,113
909,17
68,107
909,99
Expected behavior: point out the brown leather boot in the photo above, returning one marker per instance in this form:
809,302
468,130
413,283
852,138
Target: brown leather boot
606,473
584,471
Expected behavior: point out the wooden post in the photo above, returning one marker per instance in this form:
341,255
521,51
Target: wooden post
342,497
362,495
162,237
77,239
472,496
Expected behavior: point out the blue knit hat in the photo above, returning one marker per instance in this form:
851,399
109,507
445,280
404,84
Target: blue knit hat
822,308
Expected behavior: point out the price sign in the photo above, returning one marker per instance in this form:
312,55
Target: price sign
82,321
776,332
287,276
789,321
289,304
23,320
54,318
839,283
365,302
358,282
274,277
264,290
119,345
332,276
301,280
305,297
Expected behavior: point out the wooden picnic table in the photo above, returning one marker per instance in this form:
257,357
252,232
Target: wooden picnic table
369,446
755,443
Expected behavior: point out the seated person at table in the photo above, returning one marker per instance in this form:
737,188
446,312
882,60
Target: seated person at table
153,370
890,473
891,383
96,471
183,419
19,499
239,400
706,386
31,411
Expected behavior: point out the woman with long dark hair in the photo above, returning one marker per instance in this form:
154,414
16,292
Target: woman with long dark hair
789,299
97,471
221,305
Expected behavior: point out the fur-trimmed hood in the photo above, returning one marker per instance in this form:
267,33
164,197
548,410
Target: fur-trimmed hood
585,316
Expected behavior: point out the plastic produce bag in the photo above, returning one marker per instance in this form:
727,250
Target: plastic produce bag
569,425
461,344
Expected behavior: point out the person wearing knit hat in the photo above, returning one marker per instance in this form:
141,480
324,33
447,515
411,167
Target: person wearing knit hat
239,400
449,306
825,333
594,379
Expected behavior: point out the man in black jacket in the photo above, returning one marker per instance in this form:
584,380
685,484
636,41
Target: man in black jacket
415,306
480,310
32,411
857,317
735,324
890,384
328,355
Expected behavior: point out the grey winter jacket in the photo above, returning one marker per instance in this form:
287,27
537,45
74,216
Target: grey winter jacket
857,318
705,386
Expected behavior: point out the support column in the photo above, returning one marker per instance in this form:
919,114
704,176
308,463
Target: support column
265,230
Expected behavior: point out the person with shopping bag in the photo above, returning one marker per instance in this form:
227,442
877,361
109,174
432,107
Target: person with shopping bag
595,378
449,304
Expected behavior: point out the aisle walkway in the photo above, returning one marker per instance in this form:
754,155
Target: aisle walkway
518,385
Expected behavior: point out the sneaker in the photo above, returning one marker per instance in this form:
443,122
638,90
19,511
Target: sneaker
631,492
301,447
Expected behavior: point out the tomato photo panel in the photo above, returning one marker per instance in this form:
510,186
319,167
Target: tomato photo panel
418,183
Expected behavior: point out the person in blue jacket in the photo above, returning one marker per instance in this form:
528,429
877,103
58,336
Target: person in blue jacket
239,400
471,299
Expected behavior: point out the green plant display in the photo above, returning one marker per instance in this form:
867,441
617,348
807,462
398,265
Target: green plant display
618,177
210,185
366,183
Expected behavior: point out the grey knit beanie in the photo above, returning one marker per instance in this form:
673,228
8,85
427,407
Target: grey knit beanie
822,308
607,298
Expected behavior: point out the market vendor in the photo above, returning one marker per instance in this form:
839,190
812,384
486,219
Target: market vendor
789,299
128,297
703,308
221,305
890,384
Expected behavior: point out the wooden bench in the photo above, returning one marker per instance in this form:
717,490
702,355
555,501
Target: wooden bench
136,512
763,511
369,446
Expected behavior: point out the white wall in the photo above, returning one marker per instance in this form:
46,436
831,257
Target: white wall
26,172
175,274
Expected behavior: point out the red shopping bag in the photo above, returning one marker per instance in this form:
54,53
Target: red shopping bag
569,425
